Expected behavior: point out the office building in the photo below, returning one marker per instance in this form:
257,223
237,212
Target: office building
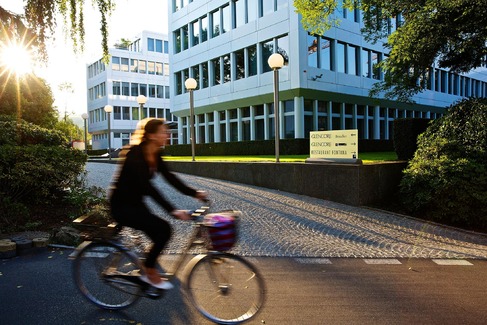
140,67
323,85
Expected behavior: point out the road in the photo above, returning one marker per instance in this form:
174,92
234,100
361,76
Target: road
38,289
324,263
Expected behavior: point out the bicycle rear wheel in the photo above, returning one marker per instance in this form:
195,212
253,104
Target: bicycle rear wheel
102,272
225,288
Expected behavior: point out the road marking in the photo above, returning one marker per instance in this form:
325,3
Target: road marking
313,260
377,261
451,262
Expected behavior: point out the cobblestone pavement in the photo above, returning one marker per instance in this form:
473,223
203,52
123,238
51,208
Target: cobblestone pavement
288,225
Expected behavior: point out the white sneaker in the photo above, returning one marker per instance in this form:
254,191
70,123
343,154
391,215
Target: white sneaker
164,285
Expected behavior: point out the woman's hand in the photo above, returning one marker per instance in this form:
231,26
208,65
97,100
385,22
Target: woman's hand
181,214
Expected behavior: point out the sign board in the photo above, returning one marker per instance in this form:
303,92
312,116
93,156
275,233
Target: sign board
340,144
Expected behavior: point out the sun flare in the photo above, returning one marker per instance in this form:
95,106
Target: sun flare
15,58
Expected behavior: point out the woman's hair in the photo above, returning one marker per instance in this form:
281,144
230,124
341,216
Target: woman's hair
145,127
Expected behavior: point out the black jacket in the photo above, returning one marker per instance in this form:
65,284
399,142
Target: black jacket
132,182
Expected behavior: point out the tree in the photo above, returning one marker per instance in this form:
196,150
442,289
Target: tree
36,26
449,34
35,100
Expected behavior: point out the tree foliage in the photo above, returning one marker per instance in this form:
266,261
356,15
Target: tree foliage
37,25
29,98
444,33
446,181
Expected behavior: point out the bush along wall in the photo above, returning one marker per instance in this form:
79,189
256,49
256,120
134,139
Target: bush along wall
446,181
406,132
265,147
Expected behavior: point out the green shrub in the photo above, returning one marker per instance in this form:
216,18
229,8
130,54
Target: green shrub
406,132
38,173
37,170
446,181
25,133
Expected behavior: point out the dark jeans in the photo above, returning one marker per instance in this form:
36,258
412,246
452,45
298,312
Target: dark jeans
139,217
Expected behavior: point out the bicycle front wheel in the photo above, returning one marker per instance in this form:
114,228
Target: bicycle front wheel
225,288
102,272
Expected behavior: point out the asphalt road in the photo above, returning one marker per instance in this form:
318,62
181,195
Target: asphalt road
38,289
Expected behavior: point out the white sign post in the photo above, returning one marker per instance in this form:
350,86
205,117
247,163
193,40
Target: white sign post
334,146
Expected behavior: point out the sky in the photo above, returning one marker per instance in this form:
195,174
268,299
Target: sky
65,66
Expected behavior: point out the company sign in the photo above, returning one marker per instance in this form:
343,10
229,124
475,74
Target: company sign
342,144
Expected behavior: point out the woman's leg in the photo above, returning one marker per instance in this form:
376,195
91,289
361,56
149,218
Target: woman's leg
140,218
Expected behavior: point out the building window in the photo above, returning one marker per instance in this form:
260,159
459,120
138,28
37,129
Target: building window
152,91
143,89
365,59
184,38
134,65
204,76
125,113
239,13
116,88
226,19
167,92
195,73
267,7
134,89
159,46
204,29
151,67
178,82
160,91
352,60
125,89
166,47
252,10
177,41
312,51
375,59
150,44
227,75
267,51
135,113
117,113
195,33
142,66
283,48
325,54
124,64
115,63
340,57
216,80
239,64
252,60
215,23
159,70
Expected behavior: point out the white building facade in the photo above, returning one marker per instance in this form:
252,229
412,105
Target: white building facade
324,84
140,69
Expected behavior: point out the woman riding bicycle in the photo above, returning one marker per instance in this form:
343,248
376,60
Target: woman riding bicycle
132,183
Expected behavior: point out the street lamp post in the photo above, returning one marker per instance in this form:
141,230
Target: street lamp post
141,99
84,116
276,61
191,85
108,109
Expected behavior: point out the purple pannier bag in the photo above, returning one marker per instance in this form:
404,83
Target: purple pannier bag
222,230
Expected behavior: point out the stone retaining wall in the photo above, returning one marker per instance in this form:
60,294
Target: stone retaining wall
351,184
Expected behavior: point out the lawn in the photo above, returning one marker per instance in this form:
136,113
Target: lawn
367,157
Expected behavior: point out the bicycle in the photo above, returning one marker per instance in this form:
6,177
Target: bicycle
224,288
